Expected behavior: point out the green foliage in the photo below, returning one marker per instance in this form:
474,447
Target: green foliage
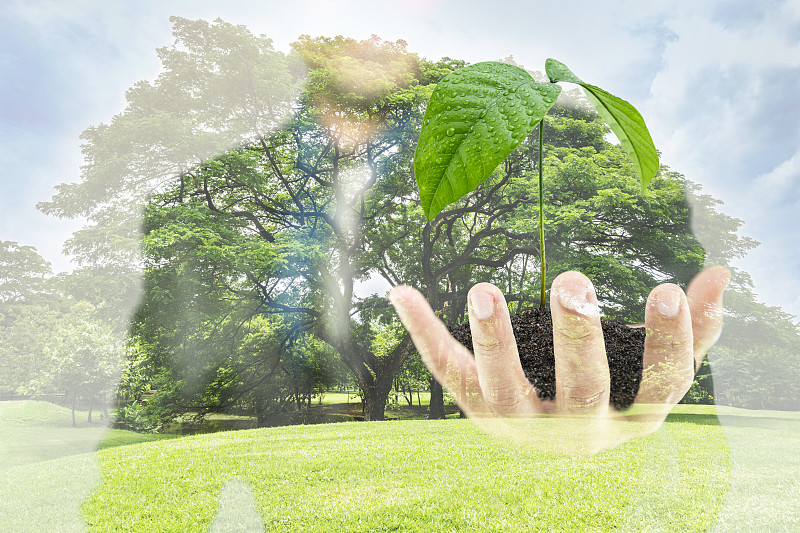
757,359
698,394
359,76
202,340
757,377
479,114
625,121
22,273
134,417
64,348
475,118
600,225
412,378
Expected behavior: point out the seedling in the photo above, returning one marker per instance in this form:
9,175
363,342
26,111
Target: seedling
479,114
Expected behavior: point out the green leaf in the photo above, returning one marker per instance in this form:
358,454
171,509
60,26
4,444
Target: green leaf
624,120
558,71
475,118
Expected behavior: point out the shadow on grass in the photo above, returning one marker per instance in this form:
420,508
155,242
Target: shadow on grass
748,420
694,418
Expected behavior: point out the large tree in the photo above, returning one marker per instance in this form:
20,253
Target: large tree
282,181
298,189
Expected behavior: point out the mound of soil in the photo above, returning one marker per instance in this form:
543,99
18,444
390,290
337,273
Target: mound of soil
533,330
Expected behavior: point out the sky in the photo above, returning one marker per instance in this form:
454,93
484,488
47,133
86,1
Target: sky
716,81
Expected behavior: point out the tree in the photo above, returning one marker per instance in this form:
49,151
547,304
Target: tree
265,198
30,309
23,273
298,189
756,361
82,358
598,224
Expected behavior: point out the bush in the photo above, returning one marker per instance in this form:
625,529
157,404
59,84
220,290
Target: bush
698,394
135,417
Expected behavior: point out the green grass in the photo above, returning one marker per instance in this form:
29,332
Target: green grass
33,431
330,398
119,437
764,481
413,476
49,468
408,475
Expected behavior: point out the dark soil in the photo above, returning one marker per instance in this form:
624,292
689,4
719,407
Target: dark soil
533,331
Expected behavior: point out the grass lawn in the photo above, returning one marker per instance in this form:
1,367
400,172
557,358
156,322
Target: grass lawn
404,475
48,467
33,431
421,398
411,476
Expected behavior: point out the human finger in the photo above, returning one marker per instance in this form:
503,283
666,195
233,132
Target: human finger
705,304
668,364
582,377
448,360
506,390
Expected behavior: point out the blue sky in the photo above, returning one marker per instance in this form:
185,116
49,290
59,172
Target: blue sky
716,81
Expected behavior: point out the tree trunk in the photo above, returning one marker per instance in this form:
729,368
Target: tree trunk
91,405
260,414
374,406
436,407
375,396
374,375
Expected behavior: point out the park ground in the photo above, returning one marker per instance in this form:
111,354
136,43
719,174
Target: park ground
400,475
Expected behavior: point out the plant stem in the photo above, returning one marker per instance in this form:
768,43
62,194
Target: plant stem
541,218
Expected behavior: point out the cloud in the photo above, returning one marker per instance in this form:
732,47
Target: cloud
723,109
742,14
780,186
716,81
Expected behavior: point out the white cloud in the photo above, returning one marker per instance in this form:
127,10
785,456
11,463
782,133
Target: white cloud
705,75
780,185
723,110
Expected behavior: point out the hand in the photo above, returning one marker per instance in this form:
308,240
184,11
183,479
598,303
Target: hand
491,387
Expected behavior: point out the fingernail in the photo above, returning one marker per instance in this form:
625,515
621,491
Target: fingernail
579,298
482,304
668,303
